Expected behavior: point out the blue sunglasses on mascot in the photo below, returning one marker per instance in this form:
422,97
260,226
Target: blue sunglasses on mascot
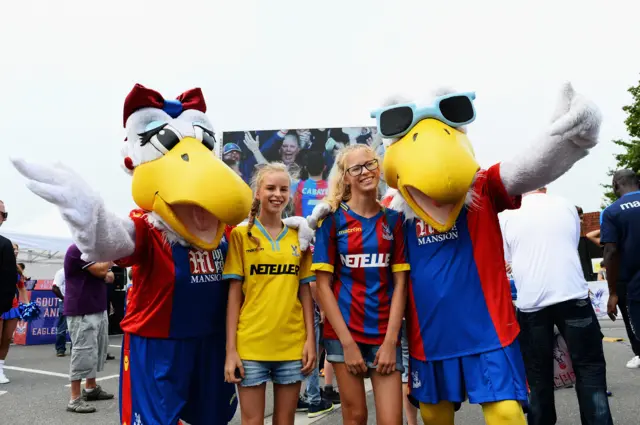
455,110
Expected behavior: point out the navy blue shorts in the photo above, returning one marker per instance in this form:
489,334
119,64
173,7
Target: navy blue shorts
335,353
164,380
486,377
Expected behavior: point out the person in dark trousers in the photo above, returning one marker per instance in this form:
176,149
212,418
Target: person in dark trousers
61,324
620,235
541,240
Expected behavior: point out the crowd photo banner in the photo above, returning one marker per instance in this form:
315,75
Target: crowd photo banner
308,153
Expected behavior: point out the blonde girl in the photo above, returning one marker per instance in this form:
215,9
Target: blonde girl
270,329
360,262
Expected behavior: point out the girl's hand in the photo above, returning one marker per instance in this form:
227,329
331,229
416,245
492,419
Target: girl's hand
308,357
386,359
353,358
231,364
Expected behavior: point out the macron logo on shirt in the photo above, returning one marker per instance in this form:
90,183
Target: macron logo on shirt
356,261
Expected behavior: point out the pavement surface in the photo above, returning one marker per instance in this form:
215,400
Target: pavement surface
38,391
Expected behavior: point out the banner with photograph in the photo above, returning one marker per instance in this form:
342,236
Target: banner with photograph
308,153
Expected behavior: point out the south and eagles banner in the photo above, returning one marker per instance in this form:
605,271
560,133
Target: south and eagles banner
43,329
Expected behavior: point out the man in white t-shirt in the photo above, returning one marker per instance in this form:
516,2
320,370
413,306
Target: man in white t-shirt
61,324
541,240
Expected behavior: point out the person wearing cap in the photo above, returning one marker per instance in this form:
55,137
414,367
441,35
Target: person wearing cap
231,154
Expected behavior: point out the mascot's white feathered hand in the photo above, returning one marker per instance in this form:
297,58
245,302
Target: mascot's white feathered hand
99,234
305,232
574,130
307,227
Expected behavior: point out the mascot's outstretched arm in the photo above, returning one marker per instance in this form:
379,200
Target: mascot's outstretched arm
574,130
99,234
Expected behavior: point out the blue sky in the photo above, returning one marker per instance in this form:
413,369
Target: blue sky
68,65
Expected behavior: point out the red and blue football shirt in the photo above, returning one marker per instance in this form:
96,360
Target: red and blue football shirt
307,195
459,299
179,291
358,251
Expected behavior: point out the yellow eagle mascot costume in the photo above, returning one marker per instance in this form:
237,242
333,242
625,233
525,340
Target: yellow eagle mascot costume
461,324
174,345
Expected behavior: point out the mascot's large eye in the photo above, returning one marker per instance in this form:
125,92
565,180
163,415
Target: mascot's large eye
206,136
163,138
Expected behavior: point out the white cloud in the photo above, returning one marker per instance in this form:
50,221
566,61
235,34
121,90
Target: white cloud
67,66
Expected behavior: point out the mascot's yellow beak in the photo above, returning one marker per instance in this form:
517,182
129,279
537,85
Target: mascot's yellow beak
193,191
433,167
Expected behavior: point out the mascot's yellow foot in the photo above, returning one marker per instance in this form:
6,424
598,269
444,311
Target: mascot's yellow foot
437,414
508,412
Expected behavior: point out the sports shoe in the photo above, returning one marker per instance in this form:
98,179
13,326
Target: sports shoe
303,406
60,354
80,406
97,394
3,379
330,394
634,363
315,410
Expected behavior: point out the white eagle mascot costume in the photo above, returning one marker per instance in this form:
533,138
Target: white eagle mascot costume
461,324
176,242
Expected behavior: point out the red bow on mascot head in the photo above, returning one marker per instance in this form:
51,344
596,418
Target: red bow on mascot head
142,97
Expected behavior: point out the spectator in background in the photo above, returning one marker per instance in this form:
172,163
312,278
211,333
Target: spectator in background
410,411
231,155
620,235
542,240
312,186
61,324
86,310
9,319
8,267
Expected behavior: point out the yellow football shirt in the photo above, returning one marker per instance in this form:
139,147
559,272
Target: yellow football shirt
271,324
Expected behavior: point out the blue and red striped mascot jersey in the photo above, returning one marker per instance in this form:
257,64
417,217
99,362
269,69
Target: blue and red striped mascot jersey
178,291
362,253
459,301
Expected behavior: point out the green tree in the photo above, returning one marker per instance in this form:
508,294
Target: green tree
630,158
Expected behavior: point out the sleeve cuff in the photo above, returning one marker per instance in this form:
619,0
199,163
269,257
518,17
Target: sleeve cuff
400,267
308,280
232,276
322,267
88,265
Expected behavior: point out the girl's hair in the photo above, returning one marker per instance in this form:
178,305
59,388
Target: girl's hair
256,183
338,190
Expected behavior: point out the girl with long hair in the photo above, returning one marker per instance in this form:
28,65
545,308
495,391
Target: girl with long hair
270,329
9,320
361,270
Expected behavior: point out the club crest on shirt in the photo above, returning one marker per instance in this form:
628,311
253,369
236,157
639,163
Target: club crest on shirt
138,421
427,234
416,383
386,232
206,266
295,252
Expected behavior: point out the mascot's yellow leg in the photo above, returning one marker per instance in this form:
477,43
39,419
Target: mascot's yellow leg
437,414
508,412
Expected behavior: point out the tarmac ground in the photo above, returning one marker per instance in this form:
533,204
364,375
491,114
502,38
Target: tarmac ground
39,391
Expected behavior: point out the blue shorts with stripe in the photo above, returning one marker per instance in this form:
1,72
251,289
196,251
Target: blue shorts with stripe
165,380
486,377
